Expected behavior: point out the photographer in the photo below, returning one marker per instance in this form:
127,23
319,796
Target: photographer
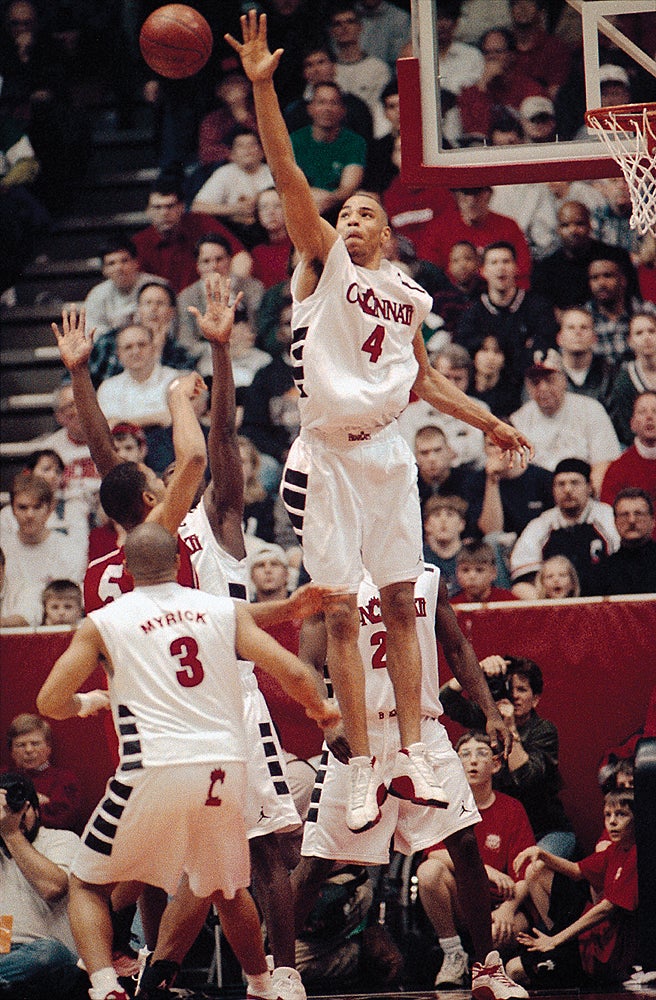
34,865
531,772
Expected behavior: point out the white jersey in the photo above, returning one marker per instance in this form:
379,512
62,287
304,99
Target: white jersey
354,363
218,572
372,640
175,686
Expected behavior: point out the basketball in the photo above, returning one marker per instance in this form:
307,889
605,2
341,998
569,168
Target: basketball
175,41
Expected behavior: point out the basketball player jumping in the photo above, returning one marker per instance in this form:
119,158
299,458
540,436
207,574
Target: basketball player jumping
350,480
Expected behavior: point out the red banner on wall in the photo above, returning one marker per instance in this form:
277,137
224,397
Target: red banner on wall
598,658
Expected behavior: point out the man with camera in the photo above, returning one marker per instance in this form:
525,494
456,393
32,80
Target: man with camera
34,866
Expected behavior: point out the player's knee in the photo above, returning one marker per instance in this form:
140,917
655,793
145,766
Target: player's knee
431,873
341,621
398,606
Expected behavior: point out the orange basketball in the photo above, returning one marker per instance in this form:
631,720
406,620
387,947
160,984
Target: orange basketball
175,41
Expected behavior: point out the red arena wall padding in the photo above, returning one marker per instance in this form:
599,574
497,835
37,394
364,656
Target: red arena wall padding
597,657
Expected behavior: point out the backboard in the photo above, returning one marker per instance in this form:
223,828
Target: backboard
426,157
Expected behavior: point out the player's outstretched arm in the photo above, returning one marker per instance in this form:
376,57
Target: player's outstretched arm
466,669
444,396
58,697
189,450
297,679
311,235
75,350
224,497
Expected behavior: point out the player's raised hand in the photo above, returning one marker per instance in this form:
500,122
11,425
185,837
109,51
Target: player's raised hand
219,317
512,442
258,62
72,340
190,385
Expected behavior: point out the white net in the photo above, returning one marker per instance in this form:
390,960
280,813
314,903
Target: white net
630,136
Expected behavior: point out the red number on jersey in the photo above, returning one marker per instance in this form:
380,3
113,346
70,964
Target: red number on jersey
373,345
379,659
186,650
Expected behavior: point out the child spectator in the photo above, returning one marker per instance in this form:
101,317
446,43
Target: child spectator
29,740
605,931
444,522
69,515
62,603
557,578
476,573
230,193
129,442
35,550
503,832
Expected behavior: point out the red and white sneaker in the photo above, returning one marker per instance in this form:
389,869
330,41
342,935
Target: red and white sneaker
415,780
366,794
112,995
490,982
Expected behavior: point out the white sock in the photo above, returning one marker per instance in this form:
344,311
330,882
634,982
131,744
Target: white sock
104,981
450,945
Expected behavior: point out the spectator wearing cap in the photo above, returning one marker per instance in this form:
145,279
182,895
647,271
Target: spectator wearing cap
578,527
34,868
564,424
538,118
113,302
300,737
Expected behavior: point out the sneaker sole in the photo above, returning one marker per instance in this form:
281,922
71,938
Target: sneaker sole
403,788
487,993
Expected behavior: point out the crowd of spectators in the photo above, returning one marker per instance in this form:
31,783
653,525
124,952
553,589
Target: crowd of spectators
543,309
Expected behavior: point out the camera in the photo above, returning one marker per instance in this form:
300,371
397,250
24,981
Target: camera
18,791
499,686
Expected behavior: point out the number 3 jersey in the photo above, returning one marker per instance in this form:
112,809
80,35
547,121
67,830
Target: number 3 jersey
174,682
352,353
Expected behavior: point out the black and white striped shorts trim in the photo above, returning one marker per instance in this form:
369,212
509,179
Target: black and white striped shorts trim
129,742
315,798
104,827
274,763
294,496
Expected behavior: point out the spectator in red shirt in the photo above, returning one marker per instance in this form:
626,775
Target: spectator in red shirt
604,936
471,221
476,573
167,246
502,84
271,257
29,739
541,56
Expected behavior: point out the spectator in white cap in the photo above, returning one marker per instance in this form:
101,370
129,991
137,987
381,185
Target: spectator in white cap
615,85
269,570
564,424
538,119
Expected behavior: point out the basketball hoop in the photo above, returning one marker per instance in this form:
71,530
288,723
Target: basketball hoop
629,133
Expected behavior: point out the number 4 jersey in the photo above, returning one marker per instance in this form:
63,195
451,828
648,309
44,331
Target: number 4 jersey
352,352
174,686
